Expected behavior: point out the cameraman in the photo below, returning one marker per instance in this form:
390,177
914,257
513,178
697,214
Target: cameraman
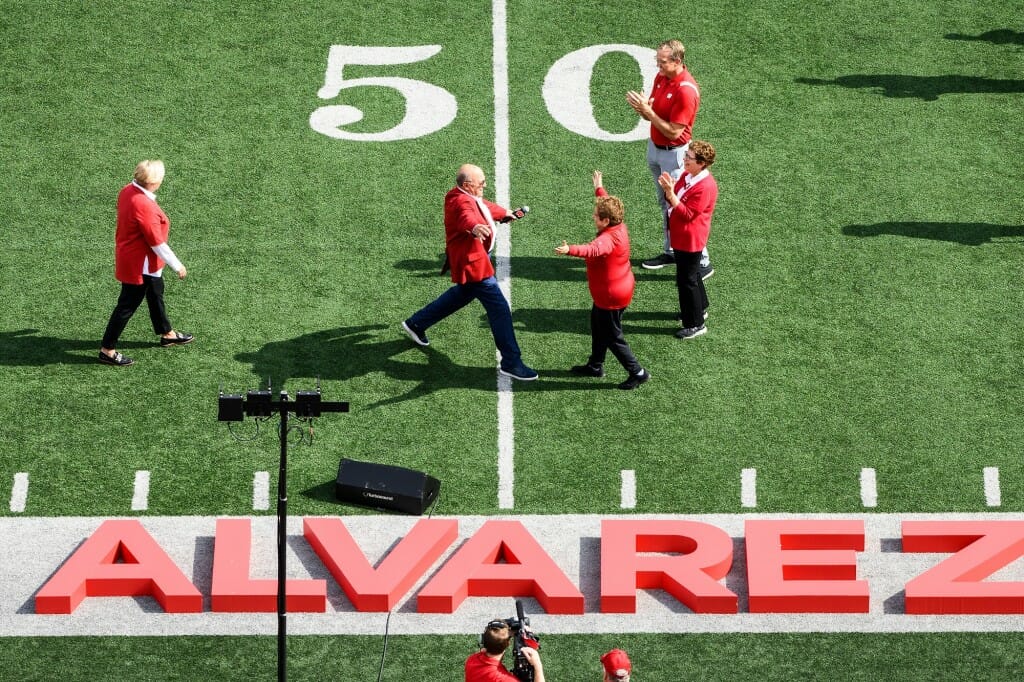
485,665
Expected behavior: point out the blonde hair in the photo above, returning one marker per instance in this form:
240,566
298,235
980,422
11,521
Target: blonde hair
676,48
149,172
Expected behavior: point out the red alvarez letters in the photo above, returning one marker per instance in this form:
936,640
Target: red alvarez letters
792,566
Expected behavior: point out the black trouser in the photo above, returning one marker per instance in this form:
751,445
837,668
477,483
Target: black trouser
606,334
693,299
151,289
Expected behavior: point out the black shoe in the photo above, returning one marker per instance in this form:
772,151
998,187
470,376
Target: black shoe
706,270
522,372
691,332
178,339
117,360
588,370
418,337
635,380
659,261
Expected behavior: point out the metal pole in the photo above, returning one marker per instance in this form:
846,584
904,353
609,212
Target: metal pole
282,539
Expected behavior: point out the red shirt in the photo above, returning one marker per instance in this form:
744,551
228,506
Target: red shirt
689,223
141,225
675,101
609,272
482,668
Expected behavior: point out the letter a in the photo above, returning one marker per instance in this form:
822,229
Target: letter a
475,570
120,559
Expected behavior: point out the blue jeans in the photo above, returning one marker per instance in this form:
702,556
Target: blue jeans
499,315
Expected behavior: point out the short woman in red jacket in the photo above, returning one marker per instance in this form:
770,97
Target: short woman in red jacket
140,253
610,278
692,200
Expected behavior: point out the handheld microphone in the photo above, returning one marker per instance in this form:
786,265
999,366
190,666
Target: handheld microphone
516,214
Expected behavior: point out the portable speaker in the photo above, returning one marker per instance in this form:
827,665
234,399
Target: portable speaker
383,486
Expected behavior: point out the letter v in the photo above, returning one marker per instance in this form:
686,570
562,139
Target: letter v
379,589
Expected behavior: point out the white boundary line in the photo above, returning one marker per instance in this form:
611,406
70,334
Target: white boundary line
19,492
503,247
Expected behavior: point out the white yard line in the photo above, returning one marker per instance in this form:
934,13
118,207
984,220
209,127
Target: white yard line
35,547
748,488
503,246
19,493
261,491
993,497
628,494
140,496
868,488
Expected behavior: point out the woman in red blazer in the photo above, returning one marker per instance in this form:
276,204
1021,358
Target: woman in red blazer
140,253
692,202
611,283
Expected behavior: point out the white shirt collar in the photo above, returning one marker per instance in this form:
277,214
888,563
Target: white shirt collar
690,181
145,191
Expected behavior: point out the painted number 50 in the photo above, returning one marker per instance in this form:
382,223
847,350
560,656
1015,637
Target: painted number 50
428,108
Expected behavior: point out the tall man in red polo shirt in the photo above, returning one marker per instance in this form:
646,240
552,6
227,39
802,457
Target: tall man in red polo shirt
671,108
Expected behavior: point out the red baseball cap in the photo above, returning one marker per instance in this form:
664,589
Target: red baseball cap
616,664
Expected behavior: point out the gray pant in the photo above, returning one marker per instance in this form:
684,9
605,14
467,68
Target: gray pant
671,161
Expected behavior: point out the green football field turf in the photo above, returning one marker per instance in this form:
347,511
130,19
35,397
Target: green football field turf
865,311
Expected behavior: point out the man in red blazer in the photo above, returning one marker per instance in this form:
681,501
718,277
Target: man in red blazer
140,253
469,225
692,201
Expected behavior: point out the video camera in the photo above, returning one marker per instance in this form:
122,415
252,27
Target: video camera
522,636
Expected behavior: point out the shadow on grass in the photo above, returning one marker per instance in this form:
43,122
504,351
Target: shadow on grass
999,36
24,348
577,321
351,352
968,234
537,268
927,88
